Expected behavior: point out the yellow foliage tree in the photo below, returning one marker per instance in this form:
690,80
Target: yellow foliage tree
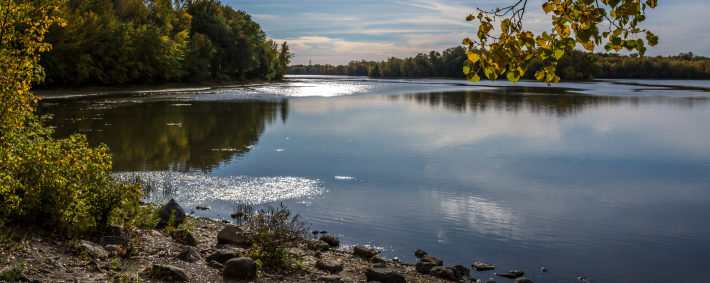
573,22
63,183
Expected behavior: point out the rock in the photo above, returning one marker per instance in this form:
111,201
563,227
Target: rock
461,271
324,232
165,270
116,230
523,280
222,256
172,207
395,259
333,241
377,259
113,240
190,255
543,269
226,221
446,273
364,252
512,274
379,265
110,248
231,234
331,278
428,258
490,281
240,268
467,279
215,265
482,266
318,246
236,215
332,267
424,267
92,249
384,275
203,207
318,254
182,236
419,253
315,232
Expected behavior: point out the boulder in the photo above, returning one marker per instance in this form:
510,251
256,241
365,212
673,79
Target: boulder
468,279
332,267
116,230
182,236
377,259
203,207
482,266
428,258
424,267
110,248
318,246
240,268
332,278
419,253
364,252
167,210
215,265
523,280
543,269
113,240
384,275
92,249
222,256
461,271
333,241
512,274
165,270
231,234
446,273
190,255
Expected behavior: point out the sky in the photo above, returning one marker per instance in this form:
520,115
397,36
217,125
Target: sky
338,31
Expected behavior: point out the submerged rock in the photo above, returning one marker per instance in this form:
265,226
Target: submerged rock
203,207
523,280
512,274
482,266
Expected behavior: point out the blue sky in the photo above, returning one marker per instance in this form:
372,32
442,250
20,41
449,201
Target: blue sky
337,31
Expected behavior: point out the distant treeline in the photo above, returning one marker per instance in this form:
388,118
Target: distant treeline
573,65
118,42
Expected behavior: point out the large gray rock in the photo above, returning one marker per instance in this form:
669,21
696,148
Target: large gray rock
482,266
240,268
446,273
231,234
424,267
332,267
333,241
222,256
461,271
190,255
182,236
113,240
419,253
167,210
523,280
166,270
318,246
384,275
512,274
428,258
377,259
364,252
92,249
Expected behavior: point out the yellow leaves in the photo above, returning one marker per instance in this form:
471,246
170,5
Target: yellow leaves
652,3
485,27
548,7
617,48
563,30
589,45
472,56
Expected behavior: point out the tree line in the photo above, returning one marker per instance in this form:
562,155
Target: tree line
119,42
572,65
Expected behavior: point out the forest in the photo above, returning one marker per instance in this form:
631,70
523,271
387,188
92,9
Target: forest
128,42
572,65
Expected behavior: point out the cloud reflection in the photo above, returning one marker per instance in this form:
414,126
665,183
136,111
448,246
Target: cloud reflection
481,215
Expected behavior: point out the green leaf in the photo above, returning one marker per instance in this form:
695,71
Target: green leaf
466,69
466,41
473,77
557,53
568,43
490,73
513,76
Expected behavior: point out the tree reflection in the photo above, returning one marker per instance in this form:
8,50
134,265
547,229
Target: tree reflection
169,135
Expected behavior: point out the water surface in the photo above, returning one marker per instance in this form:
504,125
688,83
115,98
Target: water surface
604,179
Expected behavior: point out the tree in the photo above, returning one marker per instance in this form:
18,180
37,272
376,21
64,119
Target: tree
574,21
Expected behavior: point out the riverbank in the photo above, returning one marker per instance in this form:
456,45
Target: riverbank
203,250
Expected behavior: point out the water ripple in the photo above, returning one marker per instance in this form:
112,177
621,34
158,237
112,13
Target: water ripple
191,189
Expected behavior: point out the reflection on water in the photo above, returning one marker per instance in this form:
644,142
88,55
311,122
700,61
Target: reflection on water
481,215
165,135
